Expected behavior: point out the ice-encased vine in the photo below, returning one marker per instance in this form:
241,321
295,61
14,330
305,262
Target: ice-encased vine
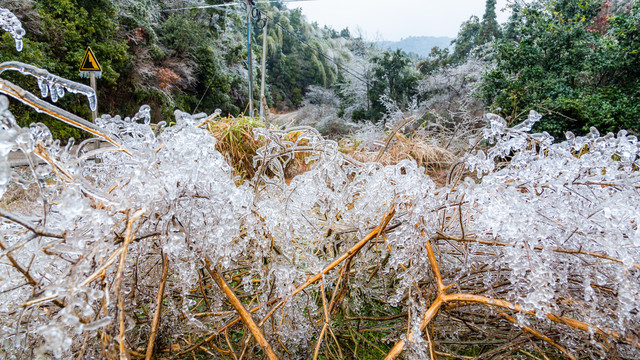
10,23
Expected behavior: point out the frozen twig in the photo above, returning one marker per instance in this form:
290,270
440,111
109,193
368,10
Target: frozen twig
244,314
156,316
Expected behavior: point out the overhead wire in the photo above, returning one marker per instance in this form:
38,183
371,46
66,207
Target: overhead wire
219,6
347,70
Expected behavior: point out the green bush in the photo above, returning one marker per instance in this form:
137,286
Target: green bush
576,61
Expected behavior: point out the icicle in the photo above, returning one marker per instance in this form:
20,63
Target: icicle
10,23
52,85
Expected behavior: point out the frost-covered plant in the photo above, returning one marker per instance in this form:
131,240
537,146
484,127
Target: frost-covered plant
320,110
111,231
148,245
451,88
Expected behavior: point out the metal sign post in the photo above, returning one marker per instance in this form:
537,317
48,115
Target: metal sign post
90,65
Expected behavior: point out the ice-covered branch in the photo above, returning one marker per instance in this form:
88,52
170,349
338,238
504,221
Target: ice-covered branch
10,23
50,84
41,106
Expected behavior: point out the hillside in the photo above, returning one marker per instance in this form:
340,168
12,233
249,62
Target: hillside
420,45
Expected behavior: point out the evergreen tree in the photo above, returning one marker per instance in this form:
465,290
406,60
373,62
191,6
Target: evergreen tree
393,76
466,40
490,28
514,24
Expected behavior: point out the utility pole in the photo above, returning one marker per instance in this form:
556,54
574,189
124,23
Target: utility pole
264,67
249,5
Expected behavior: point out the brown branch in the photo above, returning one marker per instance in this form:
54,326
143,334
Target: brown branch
244,314
233,353
118,280
38,230
576,324
156,317
213,334
392,135
435,268
326,318
349,254
443,236
55,112
538,335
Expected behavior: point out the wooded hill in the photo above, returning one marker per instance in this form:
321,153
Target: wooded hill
576,61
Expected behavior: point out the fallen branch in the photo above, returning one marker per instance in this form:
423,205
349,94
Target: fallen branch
244,314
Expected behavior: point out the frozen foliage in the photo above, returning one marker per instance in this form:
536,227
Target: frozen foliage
10,23
557,222
320,110
451,87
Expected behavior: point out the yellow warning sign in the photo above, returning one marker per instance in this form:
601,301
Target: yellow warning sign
89,62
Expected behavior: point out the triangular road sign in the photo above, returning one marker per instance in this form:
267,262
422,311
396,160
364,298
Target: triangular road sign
89,62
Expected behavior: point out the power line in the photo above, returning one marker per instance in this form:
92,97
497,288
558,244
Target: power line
220,6
349,71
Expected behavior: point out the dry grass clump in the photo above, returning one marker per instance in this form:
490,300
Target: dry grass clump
434,158
237,142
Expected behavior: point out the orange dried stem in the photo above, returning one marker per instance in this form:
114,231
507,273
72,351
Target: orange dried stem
158,313
244,314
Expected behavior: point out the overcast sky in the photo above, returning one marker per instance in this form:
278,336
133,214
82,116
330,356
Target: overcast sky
396,19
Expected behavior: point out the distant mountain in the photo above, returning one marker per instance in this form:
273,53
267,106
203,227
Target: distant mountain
420,45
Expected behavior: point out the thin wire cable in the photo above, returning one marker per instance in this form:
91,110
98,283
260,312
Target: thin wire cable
220,6
226,5
202,97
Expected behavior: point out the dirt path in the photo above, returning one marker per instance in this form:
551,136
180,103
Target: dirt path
17,158
285,119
